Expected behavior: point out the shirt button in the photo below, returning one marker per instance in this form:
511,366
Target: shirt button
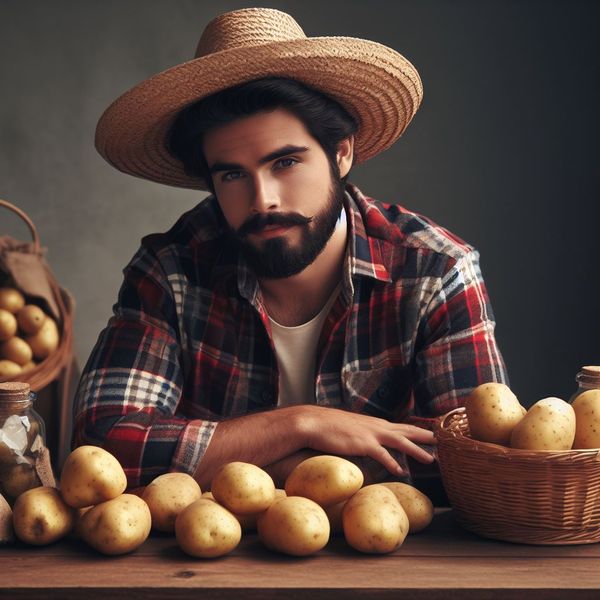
383,391
267,396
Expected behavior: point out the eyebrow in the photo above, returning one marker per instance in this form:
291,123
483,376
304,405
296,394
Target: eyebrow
279,153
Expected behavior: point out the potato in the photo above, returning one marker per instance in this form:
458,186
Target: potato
548,425
17,350
45,341
417,506
374,521
325,479
8,369
206,529
30,319
493,411
116,526
17,479
11,300
79,512
40,516
248,522
91,475
587,419
334,514
28,366
243,488
8,325
7,457
294,525
167,495
7,534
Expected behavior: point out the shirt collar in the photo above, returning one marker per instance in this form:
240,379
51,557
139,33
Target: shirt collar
370,249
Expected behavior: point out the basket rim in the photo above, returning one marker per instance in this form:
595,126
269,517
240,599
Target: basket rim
444,432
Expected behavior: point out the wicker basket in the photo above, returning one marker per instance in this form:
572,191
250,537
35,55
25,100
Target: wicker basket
50,368
530,497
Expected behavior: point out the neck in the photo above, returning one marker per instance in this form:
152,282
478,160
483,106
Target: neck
297,299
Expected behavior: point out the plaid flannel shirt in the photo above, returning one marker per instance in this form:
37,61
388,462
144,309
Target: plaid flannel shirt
411,333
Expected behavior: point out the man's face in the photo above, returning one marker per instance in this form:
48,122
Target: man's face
274,184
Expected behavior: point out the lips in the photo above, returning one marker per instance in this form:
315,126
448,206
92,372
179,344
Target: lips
270,231
260,223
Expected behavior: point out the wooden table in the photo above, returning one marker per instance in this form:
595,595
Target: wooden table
443,561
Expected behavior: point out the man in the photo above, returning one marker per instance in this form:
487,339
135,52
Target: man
288,314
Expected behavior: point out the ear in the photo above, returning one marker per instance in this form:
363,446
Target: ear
345,155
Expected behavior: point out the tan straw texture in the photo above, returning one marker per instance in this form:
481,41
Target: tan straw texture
531,497
376,84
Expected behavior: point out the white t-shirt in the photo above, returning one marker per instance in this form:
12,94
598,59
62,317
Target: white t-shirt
296,351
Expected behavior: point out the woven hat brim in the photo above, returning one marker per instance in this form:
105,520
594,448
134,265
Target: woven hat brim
377,85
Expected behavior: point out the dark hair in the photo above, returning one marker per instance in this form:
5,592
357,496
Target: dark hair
326,120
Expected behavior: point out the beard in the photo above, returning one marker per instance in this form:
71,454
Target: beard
275,258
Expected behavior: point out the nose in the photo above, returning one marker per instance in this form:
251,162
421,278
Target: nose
265,194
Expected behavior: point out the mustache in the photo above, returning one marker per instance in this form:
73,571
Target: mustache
258,222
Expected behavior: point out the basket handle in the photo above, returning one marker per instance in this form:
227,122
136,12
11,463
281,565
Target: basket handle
28,221
443,422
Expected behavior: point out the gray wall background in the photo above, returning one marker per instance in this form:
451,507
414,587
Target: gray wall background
503,151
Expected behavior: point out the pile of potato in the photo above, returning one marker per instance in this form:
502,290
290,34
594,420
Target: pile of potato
90,501
495,415
27,334
323,495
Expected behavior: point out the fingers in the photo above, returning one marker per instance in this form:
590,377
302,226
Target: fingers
399,442
385,458
382,455
418,453
416,434
351,434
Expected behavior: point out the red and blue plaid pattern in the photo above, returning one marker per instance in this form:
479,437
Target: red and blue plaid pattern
411,333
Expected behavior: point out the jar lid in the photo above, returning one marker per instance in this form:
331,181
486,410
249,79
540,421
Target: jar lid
14,390
591,371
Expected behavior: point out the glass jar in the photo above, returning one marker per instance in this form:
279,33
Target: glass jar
587,379
22,440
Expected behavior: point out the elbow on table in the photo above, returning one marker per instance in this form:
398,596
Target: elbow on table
94,432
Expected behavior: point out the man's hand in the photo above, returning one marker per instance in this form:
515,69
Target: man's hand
271,437
346,433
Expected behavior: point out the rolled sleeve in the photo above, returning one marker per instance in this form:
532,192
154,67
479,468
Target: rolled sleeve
131,387
192,444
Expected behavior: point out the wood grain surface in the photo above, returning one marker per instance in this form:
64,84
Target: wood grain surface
443,561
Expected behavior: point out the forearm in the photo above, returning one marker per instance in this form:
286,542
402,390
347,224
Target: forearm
262,439
279,439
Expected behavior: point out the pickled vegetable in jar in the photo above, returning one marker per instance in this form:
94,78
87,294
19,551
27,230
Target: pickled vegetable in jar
588,378
24,458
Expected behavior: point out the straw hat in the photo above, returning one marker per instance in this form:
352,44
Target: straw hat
376,85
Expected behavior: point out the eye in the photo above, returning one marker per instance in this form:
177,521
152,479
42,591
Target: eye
231,175
285,163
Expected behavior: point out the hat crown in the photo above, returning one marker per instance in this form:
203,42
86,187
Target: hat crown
247,27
